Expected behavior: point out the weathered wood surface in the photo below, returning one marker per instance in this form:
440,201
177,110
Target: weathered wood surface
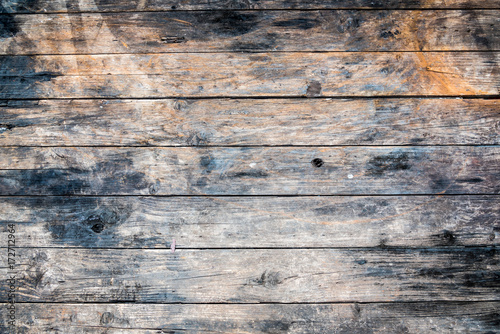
253,31
251,74
255,275
43,6
214,122
247,222
480,317
250,171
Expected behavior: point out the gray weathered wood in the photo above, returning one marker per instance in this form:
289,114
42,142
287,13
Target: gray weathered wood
250,171
41,6
249,122
247,222
250,31
416,318
251,74
255,275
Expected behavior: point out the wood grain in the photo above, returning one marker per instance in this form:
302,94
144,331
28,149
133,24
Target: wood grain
155,32
420,317
251,74
42,6
250,171
247,222
254,122
255,275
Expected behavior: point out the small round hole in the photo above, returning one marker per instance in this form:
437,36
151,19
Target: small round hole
317,162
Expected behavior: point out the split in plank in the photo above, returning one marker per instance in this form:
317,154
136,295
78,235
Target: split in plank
254,122
255,275
254,31
250,171
251,74
422,317
42,6
248,222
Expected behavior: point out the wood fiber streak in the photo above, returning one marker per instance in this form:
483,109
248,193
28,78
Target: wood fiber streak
40,6
232,222
250,74
279,319
155,32
250,171
255,276
210,122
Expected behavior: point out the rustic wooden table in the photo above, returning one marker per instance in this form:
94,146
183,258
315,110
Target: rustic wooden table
249,166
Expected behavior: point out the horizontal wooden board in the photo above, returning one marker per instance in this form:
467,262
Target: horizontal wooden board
247,222
194,31
250,74
254,275
481,317
41,6
212,122
250,171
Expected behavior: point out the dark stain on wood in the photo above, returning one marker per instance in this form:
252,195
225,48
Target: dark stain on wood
251,173
8,26
210,31
313,89
440,184
71,181
268,279
6,127
227,23
12,84
299,23
54,181
92,227
274,327
393,162
446,238
471,180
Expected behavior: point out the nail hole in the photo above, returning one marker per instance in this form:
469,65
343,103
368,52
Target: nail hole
317,162
97,228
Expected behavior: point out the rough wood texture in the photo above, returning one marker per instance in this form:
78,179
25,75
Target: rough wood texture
422,318
247,222
41,6
251,74
253,31
255,275
250,122
250,171
234,235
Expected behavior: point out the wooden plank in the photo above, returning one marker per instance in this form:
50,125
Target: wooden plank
42,6
247,222
430,317
192,31
251,74
212,122
254,275
250,171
